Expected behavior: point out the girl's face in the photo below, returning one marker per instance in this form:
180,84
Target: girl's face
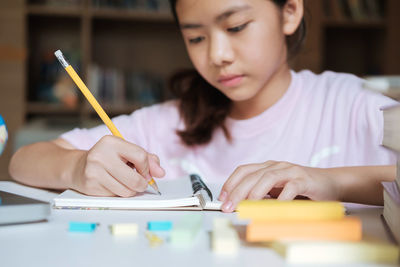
236,45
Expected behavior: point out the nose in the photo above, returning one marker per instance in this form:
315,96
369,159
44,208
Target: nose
220,50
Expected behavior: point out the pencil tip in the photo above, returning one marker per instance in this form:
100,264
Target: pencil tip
159,193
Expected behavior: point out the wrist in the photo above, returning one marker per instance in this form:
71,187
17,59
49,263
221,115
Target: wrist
74,161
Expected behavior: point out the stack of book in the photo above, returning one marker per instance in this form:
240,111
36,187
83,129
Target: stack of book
391,193
273,220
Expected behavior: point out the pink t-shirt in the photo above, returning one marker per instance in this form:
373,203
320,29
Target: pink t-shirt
324,120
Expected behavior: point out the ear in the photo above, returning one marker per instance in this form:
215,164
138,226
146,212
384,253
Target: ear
292,12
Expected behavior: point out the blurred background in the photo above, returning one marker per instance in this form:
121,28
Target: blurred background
125,50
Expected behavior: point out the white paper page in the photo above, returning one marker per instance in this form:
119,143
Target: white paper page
175,193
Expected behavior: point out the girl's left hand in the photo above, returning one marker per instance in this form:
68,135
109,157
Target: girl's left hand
278,179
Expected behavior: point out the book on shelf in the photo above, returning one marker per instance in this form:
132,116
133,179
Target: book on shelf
115,87
151,5
52,86
353,9
391,128
391,208
179,194
391,193
356,10
388,85
58,3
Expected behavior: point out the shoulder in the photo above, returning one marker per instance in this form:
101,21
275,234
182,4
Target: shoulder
329,81
342,87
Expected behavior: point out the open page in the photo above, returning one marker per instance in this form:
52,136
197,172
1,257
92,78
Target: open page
176,194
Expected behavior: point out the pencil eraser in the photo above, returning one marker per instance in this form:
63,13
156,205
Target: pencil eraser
83,227
159,225
58,53
186,230
124,229
224,238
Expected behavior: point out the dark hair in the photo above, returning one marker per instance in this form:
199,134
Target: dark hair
203,107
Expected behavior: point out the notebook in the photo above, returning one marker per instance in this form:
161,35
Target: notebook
19,209
187,193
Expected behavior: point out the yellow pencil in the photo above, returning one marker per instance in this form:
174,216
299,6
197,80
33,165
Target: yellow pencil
100,111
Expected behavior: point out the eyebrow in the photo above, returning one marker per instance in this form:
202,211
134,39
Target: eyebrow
218,19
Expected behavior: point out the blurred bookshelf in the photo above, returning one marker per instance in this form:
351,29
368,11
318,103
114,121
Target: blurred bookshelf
355,36
124,50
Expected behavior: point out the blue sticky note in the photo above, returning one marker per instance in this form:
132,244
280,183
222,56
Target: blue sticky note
84,227
159,225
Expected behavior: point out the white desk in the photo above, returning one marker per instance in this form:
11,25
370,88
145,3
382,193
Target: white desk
50,244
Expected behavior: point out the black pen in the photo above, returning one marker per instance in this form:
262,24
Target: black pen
199,186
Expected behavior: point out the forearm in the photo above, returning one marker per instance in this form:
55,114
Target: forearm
45,164
362,184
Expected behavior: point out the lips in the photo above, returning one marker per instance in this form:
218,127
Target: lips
230,80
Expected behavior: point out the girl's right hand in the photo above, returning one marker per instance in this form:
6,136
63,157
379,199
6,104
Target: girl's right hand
104,171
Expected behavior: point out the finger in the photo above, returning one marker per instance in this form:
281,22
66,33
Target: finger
265,185
241,190
237,176
293,188
114,186
126,175
155,168
270,177
134,154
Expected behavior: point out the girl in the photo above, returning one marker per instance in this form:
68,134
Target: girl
287,134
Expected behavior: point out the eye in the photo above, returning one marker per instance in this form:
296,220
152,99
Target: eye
196,40
237,28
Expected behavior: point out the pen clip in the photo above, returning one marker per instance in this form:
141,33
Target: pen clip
198,185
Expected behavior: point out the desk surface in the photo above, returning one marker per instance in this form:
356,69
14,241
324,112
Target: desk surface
50,244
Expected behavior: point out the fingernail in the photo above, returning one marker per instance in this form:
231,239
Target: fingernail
222,196
227,207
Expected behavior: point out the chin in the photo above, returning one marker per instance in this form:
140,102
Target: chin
239,95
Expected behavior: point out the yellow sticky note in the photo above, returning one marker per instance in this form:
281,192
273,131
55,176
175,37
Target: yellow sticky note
124,229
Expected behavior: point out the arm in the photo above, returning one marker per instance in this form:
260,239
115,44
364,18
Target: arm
102,170
286,181
362,184
46,164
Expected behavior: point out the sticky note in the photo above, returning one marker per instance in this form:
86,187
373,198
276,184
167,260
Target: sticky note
276,210
224,238
84,227
333,252
184,232
124,229
159,225
346,229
